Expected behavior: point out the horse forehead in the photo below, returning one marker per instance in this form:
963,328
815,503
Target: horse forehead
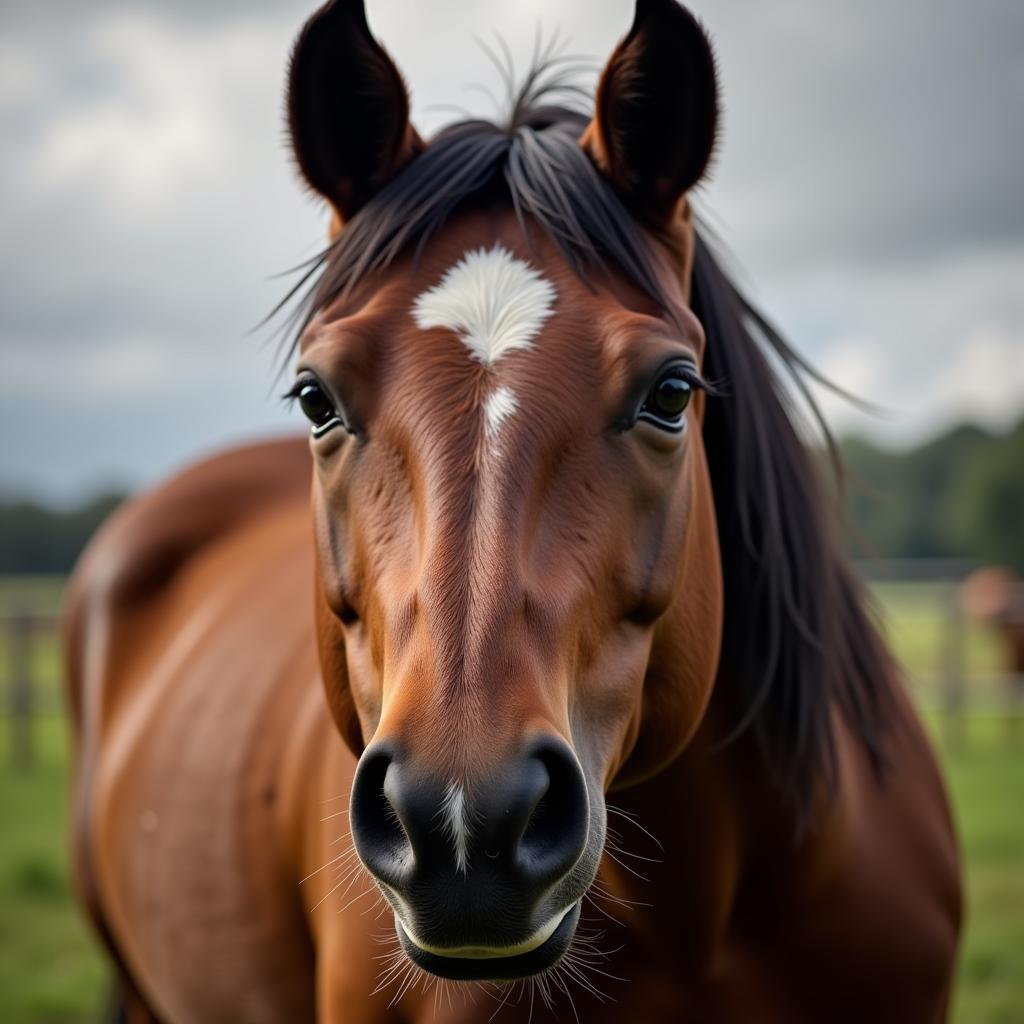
512,317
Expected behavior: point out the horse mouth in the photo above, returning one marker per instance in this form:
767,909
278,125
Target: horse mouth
538,953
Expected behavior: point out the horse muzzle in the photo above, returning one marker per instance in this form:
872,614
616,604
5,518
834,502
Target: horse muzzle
485,878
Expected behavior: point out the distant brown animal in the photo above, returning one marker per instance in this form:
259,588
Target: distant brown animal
565,685
995,596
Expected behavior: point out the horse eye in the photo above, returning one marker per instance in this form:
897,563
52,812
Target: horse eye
317,407
667,400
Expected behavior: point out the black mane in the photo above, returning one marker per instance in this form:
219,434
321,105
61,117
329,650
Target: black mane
797,641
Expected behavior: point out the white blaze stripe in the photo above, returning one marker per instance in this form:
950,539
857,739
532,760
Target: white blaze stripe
494,301
454,814
501,403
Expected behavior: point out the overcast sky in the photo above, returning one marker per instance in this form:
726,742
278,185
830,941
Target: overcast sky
869,183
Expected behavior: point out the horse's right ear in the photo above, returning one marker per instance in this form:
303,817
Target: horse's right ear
348,109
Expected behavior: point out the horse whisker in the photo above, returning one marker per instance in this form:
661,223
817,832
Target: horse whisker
333,860
626,867
632,819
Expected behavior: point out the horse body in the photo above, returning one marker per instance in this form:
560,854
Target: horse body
321,756
184,731
211,781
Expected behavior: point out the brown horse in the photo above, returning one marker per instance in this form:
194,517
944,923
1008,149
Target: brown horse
994,596
565,542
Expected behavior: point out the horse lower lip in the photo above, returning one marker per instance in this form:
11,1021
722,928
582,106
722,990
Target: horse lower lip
535,941
501,964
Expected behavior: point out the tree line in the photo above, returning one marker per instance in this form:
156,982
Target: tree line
958,496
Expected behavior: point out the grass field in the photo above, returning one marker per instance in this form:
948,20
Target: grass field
50,970
51,973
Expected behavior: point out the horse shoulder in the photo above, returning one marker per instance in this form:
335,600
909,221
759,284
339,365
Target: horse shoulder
125,574
140,547
122,587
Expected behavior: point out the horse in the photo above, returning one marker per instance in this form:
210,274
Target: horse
993,598
535,681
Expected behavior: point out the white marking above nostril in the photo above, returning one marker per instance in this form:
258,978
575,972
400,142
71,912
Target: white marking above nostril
455,816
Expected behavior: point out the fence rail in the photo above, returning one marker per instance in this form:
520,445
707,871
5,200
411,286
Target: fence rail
946,678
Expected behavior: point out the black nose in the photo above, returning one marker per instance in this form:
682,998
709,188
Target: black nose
503,842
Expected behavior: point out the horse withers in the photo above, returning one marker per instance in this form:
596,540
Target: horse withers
562,691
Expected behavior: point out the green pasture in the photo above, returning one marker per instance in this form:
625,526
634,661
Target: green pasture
50,969
51,972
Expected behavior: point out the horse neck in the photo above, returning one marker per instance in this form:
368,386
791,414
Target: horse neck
714,818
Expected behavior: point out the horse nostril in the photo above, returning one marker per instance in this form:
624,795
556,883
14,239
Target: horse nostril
556,830
377,832
525,828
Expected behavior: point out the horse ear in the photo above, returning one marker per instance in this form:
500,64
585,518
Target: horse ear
653,132
348,109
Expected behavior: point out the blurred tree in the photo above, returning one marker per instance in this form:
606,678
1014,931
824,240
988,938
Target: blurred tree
986,511
958,496
34,539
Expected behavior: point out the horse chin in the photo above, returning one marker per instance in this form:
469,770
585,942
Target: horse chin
534,956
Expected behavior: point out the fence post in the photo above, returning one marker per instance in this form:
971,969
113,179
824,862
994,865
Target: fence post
953,668
20,629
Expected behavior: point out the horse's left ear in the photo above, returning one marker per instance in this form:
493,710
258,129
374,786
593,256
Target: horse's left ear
656,117
348,109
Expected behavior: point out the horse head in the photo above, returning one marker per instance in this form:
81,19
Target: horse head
519,595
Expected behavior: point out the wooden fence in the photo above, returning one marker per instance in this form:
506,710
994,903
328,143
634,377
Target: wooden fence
29,661
25,631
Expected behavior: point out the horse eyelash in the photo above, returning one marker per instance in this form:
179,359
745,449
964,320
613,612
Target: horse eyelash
692,377
290,396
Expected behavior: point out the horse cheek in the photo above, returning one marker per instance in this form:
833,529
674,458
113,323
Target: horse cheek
334,668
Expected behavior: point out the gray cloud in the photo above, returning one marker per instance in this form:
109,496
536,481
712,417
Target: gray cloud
872,133
869,181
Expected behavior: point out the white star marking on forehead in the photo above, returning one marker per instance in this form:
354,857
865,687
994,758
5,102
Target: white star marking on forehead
494,301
